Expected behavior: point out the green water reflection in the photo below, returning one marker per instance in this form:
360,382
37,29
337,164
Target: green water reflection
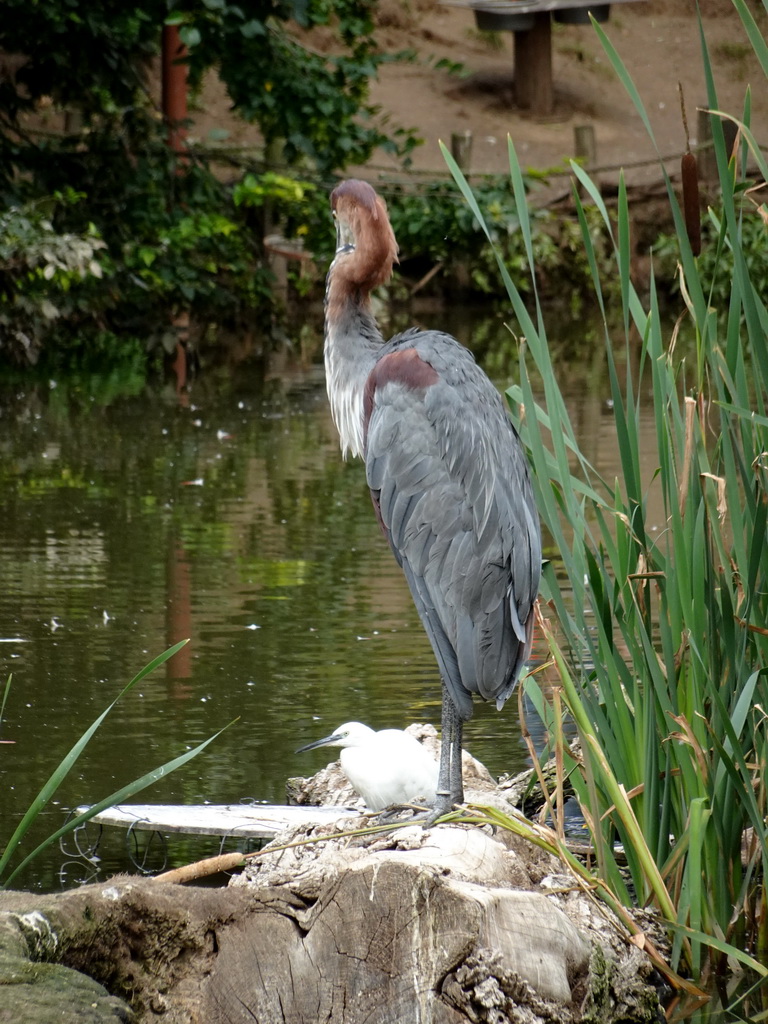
228,517
132,518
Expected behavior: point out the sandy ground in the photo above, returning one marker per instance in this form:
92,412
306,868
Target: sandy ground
657,39
659,44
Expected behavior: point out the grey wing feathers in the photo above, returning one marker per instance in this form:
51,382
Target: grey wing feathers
450,479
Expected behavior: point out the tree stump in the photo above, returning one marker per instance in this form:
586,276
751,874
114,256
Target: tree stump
448,925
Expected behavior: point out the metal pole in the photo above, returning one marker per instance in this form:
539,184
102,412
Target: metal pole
174,87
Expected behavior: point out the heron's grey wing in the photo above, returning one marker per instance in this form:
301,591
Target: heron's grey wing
450,482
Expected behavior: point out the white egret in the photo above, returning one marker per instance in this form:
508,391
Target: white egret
386,767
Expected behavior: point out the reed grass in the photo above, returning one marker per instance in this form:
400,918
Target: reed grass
659,631
62,770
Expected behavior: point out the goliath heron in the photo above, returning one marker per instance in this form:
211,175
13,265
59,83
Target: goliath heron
386,767
447,472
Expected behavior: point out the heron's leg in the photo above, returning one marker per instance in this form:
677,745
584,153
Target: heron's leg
457,775
449,781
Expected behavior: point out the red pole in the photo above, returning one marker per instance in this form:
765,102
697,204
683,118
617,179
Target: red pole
174,87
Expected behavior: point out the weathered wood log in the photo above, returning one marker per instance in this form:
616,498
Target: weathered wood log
441,926
62,955
448,925
390,926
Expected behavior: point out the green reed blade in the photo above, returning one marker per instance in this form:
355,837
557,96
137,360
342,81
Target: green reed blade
118,797
66,765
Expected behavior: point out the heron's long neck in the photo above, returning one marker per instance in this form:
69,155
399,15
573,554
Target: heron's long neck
352,343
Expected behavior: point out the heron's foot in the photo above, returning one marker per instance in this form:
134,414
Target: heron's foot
391,813
444,804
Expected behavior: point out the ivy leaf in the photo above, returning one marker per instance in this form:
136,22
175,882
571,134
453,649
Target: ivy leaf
190,36
253,28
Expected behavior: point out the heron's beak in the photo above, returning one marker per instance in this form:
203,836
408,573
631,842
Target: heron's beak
345,241
333,738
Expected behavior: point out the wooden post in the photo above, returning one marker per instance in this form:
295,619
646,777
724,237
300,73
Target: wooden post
174,103
174,87
705,152
585,149
533,67
584,144
461,149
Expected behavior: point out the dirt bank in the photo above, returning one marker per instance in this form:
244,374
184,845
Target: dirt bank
657,39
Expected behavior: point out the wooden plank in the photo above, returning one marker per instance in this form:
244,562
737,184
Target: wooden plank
256,821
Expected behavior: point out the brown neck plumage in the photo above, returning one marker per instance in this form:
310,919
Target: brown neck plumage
364,257
357,272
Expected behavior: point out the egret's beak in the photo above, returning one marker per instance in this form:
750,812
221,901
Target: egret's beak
324,742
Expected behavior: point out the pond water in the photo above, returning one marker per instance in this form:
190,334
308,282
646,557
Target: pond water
133,517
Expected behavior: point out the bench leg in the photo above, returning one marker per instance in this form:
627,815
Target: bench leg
534,91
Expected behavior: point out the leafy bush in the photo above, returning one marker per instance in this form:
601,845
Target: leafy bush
302,208
95,61
174,240
44,275
715,264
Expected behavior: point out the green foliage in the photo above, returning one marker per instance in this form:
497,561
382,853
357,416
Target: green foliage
44,275
95,60
303,206
90,57
715,264
175,241
659,633
315,104
61,772
292,195
195,253
173,237
437,225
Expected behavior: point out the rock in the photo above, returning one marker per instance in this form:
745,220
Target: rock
35,991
